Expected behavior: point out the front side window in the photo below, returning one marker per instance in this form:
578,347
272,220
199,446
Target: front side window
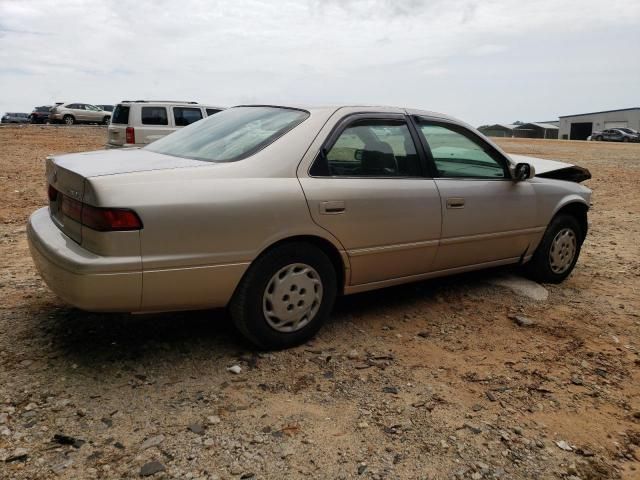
154,116
230,135
186,116
457,154
371,148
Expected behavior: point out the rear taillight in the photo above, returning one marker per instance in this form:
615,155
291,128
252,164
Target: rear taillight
110,219
71,208
130,135
95,218
52,193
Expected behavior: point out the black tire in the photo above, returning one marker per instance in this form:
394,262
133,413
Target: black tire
246,306
540,267
105,120
625,139
599,139
68,120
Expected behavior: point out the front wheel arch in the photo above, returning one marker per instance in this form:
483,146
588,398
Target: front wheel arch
578,210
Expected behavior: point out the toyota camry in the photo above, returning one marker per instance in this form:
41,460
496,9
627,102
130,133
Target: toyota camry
273,211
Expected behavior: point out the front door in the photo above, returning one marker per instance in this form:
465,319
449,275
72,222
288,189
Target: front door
486,216
367,187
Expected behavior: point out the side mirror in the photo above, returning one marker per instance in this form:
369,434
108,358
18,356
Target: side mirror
523,171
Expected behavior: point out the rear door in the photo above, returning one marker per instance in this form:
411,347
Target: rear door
118,125
80,112
367,186
154,121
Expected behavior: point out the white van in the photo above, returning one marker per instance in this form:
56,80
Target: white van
137,123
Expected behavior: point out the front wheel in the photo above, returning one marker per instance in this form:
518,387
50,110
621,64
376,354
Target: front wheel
285,296
558,252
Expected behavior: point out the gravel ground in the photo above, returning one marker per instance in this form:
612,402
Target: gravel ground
435,380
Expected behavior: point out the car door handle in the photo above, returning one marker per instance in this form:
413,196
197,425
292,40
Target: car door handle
332,207
455,202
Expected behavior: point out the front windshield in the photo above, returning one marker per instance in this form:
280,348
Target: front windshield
230,135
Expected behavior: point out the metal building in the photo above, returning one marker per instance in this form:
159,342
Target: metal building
497,130
536,130
580,126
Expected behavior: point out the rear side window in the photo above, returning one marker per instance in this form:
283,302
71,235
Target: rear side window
154,116
186,116
371,148
212,111
120,115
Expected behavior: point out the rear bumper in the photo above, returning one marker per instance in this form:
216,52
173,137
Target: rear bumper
126,145
81,278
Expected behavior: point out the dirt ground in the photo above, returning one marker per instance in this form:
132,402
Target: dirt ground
427,381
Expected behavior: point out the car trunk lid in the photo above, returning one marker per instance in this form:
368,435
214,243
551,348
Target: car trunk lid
64,182
67,175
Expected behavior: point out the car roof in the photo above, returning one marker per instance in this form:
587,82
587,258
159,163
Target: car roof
363,107
168,103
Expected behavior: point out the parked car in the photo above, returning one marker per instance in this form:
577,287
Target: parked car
15,118
106,108
141,122
273,211
40,114
617,135
70,113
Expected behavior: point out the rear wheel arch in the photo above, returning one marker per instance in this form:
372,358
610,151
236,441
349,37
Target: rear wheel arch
327,247
255,307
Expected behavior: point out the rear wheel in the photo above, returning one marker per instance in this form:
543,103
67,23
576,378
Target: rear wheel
105,120
69,120
285,296
625,139
558,252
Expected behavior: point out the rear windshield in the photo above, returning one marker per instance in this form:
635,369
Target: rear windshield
120,114
43,109
230,135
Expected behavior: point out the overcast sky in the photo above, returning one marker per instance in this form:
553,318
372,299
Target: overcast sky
488,61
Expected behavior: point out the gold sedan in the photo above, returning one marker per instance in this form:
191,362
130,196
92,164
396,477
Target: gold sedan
273,211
